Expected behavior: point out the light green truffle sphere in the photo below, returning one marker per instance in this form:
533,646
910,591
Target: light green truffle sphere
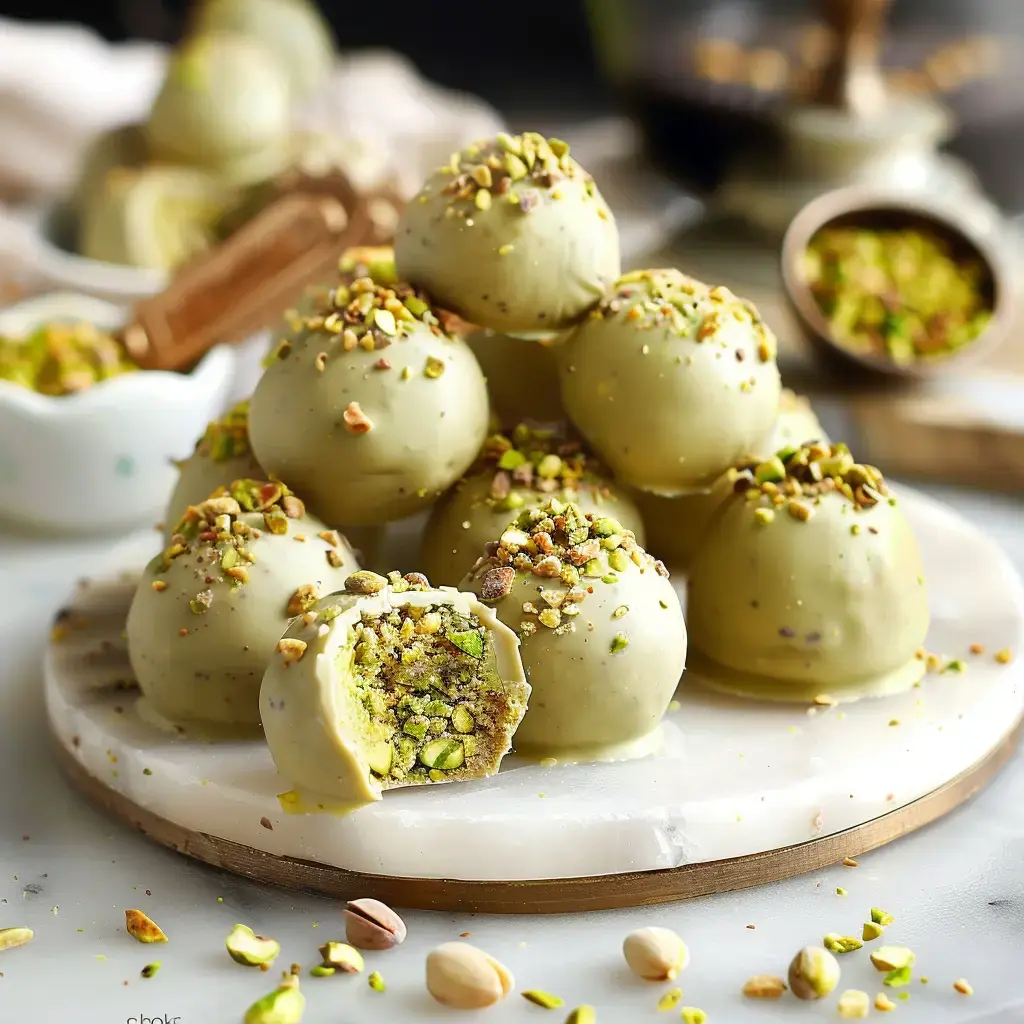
522,376
391,683
370,410
522,470
222,455
223,106
293,31
211,607
808,582
158,217
676,526
670,381
602,635
512,235
124,146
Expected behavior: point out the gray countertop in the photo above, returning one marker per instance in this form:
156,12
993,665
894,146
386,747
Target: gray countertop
956,889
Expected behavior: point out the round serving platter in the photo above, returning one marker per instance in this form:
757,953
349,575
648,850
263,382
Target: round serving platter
740,792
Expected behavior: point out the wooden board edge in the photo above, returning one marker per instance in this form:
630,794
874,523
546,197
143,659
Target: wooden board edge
551,896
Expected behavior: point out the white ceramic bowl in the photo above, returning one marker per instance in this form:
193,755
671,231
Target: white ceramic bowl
100,460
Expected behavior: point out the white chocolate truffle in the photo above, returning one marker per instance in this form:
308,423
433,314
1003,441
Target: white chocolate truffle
370,410
522,470
211,607
522,376
222,455
512,234
676,526
808,582
602,632
670,381
391,683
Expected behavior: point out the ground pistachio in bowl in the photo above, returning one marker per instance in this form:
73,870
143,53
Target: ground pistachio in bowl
390,682
520,469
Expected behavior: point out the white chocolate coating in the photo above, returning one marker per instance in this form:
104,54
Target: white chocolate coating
522,377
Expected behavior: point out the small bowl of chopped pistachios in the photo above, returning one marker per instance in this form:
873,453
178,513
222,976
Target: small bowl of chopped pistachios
87,438
895,285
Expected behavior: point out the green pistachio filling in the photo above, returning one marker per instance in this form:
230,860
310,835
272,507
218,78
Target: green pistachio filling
794,480
63,358
683,306
227,437
216,525
559,542
904,295
514,169
423,694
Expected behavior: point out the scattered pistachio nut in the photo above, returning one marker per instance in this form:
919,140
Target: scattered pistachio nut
322,971
245,947
694,1015
883,1003
370,924
899,978
582,1015
285,1005
150,969
892,958
141,928
963,986
545,999
655,954
814,973
881,917
841,943
466,978
342,957
872,931
12,937
670,1000
376,982
854,1004
764,986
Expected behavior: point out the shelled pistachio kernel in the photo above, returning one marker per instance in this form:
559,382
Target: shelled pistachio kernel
10,938
854,1004
150,970
285,1005
872,931
764,986
880,917
376,982
370,924
655,954
892,958
883,1003
342,957
670,1000
245,947
813,973
841,943
322,971
141,928
545,999
694,1015
582,1015
466,978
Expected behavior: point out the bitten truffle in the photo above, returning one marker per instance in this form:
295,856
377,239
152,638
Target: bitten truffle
809,582
521,470
391,683
210,608
370,409
511,234
670,381
602,631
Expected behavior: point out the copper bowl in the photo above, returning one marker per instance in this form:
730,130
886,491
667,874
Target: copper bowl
870,208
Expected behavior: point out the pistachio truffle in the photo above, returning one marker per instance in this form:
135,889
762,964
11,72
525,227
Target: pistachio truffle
512,234
676,526
392,683
223,106
521,470
156,216
808,582
602,631
671,381
370,409
293,32
221,456
123,146
211,607
522,376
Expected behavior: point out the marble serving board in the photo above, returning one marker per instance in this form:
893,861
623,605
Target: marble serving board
733,778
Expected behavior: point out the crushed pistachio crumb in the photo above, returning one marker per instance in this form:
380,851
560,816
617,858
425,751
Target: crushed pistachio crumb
545,999
376,982
228,437
670,1000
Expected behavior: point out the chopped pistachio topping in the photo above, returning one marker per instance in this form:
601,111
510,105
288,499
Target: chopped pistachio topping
872,931
150,969
142,928
376,982
62,359
558,541
694,1015
245,947
285,1005
892,958
342,957
376,261
683,306
427,689
881,917
531,461
841,943
670,1000
518,170
227,437
216,524
545,999
901,294
795,478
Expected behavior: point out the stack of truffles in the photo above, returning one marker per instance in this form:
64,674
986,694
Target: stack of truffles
535,617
